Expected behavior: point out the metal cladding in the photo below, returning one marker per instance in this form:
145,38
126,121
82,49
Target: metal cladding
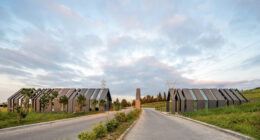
181,100
227,97
220,99
188,100
71,93
212,100
189,107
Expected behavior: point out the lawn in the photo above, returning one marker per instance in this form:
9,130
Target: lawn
9,119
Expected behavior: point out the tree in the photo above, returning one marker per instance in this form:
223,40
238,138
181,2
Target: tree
63,100
81,99
102,104
27,95
159,97
94,104
53,95
44,101
164,96
124,103
133,103
117,104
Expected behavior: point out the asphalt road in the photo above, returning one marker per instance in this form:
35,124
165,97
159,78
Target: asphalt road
68,128
155,126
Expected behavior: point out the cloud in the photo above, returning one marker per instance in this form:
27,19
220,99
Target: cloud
129,43
251,62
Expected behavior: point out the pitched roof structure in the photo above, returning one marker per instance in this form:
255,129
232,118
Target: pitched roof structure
70,93
188,100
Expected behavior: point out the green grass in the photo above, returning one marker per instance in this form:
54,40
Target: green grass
161,106
252,95
9,119
243,118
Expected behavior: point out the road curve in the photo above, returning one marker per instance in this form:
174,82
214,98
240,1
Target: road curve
68,128
155,126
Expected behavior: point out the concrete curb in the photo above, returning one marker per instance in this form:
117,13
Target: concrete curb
42,123
122,137
229,132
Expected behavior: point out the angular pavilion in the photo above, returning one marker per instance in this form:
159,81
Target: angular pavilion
189,100
91,94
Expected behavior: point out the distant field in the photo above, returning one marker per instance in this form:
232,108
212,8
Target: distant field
10,119
154,104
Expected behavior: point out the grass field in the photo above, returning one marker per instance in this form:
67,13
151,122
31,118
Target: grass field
10,119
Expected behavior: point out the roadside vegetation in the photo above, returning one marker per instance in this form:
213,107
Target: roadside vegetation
23,114
243,118
9,119
112,128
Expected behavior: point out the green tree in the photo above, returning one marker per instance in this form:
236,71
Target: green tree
54,94
124,103
44,101
164,96
81,99
27,95
159,97
102,104
63,100
94,103
116,104
133,103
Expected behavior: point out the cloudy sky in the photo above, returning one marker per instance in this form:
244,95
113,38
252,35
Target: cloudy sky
129,43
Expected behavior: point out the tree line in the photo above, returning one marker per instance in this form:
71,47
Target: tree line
158,98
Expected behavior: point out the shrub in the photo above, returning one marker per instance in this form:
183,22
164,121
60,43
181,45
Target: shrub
121,117
100,130
133,114
87,135
111,125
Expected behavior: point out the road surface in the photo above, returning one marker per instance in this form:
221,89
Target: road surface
68,128
155,126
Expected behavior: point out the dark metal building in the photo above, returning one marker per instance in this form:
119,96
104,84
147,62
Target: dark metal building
188,100
98,95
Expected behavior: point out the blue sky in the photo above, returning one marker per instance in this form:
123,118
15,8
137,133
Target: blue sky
131,44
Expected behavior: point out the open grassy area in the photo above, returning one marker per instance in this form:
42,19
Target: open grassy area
252,95
10,119
154,104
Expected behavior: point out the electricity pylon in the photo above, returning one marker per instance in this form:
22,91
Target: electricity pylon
103,83
171,85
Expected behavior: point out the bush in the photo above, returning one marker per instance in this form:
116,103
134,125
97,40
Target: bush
111,125
100,130
133,114
87,135
121,117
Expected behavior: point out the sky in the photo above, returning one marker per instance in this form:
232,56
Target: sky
129,43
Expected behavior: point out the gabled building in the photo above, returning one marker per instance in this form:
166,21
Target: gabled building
188,100
100,96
